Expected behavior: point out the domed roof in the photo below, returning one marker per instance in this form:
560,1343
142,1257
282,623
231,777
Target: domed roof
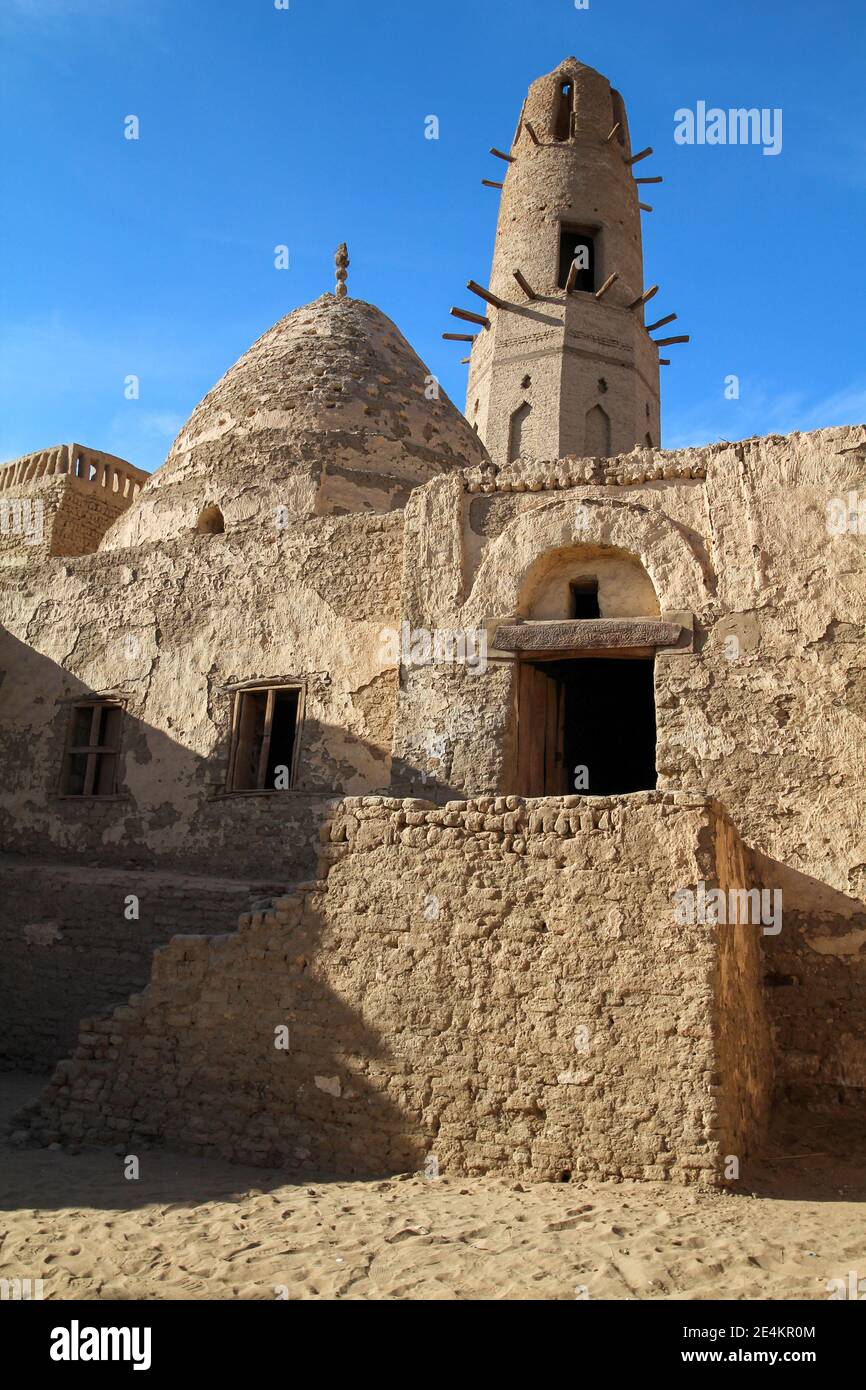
329,412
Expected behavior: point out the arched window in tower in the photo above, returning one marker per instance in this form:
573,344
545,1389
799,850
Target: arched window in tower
596,436
517,432
618,113
577,244
563,110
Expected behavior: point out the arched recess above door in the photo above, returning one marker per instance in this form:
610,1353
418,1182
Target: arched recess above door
514,564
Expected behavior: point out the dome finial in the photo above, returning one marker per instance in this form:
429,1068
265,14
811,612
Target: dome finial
341,260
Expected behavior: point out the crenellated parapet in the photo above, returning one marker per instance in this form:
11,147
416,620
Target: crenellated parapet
62,500
74,461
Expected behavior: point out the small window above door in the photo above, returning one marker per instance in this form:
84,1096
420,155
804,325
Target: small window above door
584,599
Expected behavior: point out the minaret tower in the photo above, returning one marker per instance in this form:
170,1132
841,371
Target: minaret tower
568,367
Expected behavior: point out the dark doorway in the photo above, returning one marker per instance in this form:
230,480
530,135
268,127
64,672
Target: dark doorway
596,713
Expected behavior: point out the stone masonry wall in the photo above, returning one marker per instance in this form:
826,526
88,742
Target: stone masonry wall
496,985
69,949
767,711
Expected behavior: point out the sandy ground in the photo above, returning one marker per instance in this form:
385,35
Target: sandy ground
196,1228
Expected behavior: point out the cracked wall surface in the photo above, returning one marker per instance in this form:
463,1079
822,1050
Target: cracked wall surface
184,622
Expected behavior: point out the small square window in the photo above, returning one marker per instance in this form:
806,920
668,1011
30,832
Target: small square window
264,739
92,749
584,599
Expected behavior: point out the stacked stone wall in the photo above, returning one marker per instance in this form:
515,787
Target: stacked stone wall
491,986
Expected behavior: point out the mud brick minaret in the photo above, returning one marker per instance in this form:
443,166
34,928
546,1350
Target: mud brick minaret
568,367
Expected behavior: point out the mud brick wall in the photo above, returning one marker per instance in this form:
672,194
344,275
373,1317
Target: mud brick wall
68,949
28,514
73,515
83,517
498,983
816,986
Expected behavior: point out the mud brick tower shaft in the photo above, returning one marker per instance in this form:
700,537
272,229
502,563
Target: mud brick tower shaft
567,372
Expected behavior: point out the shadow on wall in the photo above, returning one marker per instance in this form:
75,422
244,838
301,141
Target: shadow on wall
94,1180
239,1049
69,949
816,987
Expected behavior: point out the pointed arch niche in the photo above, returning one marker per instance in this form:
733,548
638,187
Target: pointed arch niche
517,431
596,435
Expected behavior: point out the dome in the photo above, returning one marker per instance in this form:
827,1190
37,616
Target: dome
329,412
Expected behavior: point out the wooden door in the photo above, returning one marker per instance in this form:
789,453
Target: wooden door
541,769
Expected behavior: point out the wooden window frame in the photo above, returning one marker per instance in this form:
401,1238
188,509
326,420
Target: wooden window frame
270,689
93,751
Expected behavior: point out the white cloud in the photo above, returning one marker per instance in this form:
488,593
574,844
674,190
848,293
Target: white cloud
762,409
59,382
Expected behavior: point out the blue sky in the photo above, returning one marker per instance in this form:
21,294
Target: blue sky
305,127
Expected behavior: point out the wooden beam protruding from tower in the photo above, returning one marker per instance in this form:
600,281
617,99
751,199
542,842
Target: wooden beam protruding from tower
572,276
666,342
490,183
607,284
524,284
486,295
660,323
460,337
645,297
644,154
645,207
531,132
500,154
664,361
469,317
657,179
